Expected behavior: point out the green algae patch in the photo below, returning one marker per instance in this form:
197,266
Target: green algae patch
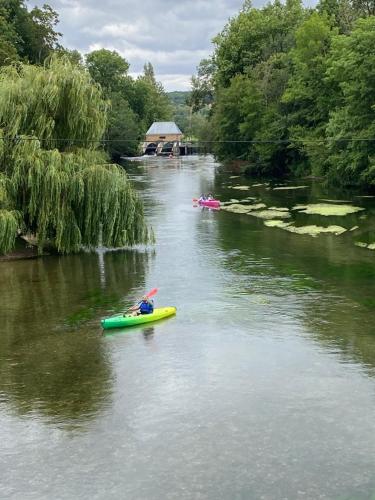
236,208
361,244
328,209
284,188
299,207
257,206
234,177
239,208
241,188
316,230
335,201
270,214
280,209
277,223
258,185
311,230
354,228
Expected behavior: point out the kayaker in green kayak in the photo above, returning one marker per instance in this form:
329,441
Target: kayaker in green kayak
146,306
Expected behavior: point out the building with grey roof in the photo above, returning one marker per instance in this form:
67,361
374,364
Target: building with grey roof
162,138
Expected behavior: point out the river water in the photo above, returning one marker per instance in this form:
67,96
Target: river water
261,387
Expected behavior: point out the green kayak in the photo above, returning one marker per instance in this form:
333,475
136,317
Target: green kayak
122,321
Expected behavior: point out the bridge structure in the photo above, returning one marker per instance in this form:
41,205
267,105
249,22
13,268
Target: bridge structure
164,138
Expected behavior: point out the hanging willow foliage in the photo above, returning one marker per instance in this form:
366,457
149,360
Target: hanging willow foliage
51,172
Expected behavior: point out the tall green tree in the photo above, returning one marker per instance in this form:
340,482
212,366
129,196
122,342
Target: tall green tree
351,127
308,94
54,181
36,35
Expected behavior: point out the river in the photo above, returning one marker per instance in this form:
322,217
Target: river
261,387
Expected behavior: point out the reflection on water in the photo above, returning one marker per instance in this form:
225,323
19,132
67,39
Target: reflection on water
51,358
260,387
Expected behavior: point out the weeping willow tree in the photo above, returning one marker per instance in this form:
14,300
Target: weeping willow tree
55,182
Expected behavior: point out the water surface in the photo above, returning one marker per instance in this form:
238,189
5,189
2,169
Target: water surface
261,387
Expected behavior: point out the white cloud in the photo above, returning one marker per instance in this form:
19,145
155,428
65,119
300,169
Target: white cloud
173,36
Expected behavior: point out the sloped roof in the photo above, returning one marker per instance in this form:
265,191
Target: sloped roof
163,128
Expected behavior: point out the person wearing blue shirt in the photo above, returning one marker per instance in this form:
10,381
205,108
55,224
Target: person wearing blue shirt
146,306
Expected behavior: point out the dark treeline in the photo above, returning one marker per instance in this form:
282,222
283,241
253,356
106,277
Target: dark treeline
299,83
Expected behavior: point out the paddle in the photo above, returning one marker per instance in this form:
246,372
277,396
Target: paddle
153,292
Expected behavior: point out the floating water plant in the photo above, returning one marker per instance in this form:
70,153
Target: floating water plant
236,208
335,201
369,246
280,209
284,188
270,214
327,209
277,223
311,230
241,188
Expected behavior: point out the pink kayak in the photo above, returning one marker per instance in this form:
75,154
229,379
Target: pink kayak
209,203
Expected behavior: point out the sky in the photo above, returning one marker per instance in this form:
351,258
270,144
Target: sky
174,35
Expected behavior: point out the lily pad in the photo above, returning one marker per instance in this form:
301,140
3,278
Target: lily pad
371,246
234,177
284,188
327,209
299,207
241,188
258,185
354,228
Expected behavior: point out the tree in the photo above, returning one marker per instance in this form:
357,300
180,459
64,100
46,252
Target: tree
202,86
351,127
308,95
123,130
36,37
236,117
54,181
108,69
151,103
253,36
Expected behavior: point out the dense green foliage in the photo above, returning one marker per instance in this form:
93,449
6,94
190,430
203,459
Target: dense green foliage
293,90
54,182
135,104
29,36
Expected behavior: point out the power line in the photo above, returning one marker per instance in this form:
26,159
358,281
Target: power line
225,141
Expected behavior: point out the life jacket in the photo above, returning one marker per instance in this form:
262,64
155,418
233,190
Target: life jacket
146,308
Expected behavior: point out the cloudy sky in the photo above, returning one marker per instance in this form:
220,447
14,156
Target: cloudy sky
173,34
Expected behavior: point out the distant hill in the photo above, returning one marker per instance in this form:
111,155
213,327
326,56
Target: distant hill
178,97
